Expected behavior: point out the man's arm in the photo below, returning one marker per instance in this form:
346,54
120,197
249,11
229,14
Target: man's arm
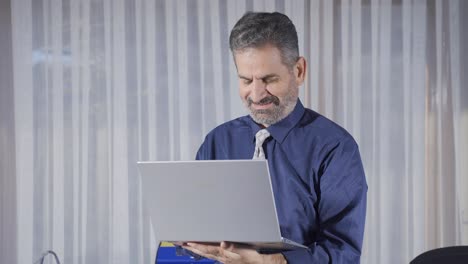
341,209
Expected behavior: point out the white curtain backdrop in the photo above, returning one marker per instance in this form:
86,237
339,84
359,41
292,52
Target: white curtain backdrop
98,85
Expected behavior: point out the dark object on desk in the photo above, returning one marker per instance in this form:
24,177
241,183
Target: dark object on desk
45,254
452,255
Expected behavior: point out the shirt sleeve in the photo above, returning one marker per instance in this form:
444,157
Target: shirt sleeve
207,149
341,208
202,153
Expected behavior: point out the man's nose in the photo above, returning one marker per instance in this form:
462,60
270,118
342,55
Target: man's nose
259,90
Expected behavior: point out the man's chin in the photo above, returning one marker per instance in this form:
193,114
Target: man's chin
263,119
264,113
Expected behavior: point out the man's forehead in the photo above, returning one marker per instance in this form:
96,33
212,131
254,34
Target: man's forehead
259,62
266,48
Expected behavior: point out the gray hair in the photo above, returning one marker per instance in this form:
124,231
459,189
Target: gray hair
256,29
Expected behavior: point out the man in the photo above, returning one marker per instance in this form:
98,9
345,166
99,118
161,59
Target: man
317,174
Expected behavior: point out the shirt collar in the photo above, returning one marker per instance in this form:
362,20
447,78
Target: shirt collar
280,130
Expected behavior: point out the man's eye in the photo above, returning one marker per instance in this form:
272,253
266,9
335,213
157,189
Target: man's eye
247,81
270,80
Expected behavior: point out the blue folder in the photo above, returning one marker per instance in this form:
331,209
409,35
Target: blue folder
167,255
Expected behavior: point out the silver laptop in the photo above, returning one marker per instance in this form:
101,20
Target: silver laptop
213,201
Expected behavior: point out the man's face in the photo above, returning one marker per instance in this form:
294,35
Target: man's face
268,88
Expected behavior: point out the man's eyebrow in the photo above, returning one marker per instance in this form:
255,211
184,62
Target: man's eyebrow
268,76
243,77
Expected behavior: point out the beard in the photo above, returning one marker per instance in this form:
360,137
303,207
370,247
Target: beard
280,108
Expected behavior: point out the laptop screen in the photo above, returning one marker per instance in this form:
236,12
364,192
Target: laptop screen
210,201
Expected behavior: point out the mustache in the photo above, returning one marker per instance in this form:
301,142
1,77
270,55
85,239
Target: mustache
265,100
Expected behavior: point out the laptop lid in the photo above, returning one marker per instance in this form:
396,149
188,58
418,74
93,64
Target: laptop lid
210,201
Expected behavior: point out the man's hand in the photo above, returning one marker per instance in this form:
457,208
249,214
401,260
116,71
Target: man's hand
228,253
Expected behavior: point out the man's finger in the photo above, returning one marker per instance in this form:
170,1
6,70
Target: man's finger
212,252
227,246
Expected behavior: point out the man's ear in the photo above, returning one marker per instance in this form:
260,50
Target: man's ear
300,70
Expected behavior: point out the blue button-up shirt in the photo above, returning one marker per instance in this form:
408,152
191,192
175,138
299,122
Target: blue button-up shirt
317,176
